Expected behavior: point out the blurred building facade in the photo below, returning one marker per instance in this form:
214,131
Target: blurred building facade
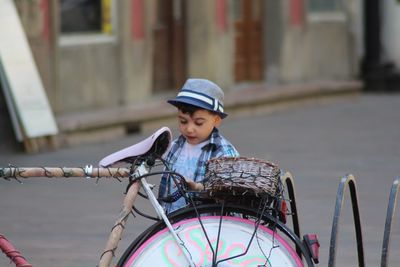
95,54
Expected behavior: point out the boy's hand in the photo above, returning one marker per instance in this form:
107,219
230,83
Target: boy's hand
195,186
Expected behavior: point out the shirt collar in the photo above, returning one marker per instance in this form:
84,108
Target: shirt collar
215,139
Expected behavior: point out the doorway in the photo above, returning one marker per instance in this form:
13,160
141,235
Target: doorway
249,55
169,58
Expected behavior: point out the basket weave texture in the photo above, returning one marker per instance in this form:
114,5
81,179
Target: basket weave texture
241,176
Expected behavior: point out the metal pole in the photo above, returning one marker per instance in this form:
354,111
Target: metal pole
372,69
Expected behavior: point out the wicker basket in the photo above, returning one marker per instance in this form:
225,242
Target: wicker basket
241,176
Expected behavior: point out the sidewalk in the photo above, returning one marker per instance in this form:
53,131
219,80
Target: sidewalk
110,123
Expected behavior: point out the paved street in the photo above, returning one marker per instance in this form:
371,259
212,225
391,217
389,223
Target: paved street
65,223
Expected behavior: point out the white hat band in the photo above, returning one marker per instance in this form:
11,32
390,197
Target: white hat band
212,102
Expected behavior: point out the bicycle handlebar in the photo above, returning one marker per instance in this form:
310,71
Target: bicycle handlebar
63,172
11,252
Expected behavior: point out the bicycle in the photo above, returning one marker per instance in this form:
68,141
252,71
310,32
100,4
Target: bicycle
217,228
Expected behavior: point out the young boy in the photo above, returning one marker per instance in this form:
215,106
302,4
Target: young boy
200,112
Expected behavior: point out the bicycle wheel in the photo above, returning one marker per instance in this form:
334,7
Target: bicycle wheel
237,235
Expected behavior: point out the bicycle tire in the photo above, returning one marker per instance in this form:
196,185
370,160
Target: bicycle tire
183,217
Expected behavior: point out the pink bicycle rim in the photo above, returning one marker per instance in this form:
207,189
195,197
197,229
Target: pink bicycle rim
291,251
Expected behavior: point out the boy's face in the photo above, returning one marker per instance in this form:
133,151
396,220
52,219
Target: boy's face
197,127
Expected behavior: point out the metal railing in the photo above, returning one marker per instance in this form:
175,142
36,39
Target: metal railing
388,223
350,182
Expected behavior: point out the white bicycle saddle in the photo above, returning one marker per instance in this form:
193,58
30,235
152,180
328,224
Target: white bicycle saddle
157,143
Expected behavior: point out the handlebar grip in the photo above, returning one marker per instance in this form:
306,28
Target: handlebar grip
12,253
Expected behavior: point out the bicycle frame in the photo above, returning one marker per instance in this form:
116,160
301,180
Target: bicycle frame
90,172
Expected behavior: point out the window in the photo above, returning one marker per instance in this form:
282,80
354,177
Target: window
324,5
325,10
237,10
84,16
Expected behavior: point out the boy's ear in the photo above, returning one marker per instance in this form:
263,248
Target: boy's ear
217,121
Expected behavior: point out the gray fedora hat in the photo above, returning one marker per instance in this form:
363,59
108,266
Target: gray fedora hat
201,93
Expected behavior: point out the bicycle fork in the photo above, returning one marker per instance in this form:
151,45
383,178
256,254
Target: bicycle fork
143,169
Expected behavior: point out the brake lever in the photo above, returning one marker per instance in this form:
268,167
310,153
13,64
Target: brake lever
182,187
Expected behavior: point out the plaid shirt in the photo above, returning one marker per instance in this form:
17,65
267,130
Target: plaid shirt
217,147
